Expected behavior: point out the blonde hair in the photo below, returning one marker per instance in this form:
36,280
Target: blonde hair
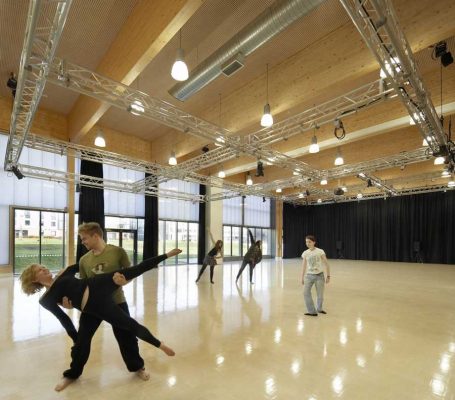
91,228
27,278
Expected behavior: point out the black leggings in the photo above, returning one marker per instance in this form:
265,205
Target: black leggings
242,267
204,266
101,304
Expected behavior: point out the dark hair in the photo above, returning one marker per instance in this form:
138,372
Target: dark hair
311,237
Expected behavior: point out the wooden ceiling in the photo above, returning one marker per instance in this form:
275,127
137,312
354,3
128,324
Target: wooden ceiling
318,58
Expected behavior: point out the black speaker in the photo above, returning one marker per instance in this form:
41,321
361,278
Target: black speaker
339,245
416,247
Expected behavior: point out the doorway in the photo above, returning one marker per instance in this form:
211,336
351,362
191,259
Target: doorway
126,239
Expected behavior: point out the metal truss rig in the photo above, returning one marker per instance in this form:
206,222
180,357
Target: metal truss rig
90,181
317,116
377,23
147,186
43,31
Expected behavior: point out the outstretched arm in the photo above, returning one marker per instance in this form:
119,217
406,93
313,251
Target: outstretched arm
251,237
148,264
211,237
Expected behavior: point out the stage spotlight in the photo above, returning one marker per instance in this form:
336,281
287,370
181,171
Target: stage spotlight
12,83
260,169
16,172
440,51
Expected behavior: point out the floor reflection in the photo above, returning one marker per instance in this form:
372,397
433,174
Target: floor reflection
254,341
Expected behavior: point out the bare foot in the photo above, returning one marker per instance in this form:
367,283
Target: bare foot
63,384
143,374
167,350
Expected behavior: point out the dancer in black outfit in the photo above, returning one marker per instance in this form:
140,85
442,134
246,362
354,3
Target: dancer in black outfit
91,295
210,258
252,257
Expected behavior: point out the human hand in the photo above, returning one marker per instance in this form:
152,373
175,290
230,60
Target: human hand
119,279
173,252
66,303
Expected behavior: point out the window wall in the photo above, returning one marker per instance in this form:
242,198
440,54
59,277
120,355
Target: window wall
181,234
39,237
30,194
178,225
241,214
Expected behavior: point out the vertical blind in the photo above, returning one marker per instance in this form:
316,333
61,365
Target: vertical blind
28,192
180,210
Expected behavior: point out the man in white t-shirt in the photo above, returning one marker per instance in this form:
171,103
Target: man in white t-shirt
313,274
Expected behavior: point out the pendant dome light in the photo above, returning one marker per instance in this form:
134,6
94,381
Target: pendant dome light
267,119
180,70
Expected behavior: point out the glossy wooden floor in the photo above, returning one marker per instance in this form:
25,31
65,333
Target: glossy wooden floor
389,334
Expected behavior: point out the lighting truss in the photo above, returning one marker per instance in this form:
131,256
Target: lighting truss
324,113
378,183
358,99
392,161
101,183
377,24
81,80
45,22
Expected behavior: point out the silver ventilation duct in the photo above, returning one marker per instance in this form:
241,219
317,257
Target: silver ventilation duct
268,24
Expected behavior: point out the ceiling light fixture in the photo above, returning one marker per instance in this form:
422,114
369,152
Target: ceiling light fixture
99,140
314,147
278,190
451,184
221,174
180,70
172,159
319,201
249,180
324,181
301,195
439,160
359,195
136,107
339,158
395,62
267,119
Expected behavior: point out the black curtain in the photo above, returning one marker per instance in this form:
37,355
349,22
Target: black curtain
201,231
151,226
91,201
395,229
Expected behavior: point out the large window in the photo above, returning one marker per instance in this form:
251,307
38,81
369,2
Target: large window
39,237
181,234
241,213
236,244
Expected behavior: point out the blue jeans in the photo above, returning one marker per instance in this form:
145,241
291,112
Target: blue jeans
318,281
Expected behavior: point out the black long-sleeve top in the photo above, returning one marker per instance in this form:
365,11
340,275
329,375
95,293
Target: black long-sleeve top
66,284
